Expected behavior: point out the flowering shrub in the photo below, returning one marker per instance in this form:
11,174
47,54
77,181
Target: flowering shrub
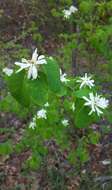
59,104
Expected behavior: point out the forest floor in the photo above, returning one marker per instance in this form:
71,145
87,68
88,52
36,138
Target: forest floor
94,174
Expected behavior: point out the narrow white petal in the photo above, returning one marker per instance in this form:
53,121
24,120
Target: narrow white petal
98,111
34,55
90,112
85,98
41,61
87,104
30,72
82,84
34,72
22,65
41,57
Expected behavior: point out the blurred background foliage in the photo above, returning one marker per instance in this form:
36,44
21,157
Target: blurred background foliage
84,39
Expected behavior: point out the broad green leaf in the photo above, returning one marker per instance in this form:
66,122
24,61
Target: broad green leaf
18,88
38,90
53,75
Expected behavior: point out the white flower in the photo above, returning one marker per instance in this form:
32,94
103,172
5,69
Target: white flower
46,104
63,77
86,81
32,65
42,114
67,13
32,124
73,9
106,162
73,107
8,71
65,122
102,102
96,103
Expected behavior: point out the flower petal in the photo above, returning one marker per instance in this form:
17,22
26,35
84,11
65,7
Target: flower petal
42,61
22,66
30,72
41,57
34,72
34,55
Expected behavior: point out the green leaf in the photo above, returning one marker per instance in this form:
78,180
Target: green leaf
53,75
63,91
81,117
18,88
82,92
38,90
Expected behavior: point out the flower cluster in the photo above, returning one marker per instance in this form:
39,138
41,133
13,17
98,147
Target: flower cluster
68,12
41,114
